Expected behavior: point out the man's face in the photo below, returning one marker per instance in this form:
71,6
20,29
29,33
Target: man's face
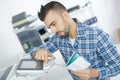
57,23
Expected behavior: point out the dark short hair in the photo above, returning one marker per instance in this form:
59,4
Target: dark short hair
53,5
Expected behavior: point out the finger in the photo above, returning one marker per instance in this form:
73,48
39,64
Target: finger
75,72
42,54
52,56
35,56
38,57
84,78
82,74
45,57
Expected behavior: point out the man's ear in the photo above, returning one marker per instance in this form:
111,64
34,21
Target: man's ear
65,15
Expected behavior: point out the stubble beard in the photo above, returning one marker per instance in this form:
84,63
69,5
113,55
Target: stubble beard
66,32
65,35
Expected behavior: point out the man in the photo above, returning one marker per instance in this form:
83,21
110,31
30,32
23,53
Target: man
73,36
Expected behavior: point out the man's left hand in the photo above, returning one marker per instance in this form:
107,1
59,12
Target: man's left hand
86,74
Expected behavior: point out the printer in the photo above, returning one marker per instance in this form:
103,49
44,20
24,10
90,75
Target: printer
29,37
33,37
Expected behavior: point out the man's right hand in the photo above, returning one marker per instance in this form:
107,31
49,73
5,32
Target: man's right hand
43,54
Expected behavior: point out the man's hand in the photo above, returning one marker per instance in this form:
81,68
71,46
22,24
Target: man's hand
86,74
43,54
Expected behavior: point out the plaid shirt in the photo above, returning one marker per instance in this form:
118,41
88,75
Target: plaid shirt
94,45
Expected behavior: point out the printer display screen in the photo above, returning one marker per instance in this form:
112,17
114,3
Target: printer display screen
42,31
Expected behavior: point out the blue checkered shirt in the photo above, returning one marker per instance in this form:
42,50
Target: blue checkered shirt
94,45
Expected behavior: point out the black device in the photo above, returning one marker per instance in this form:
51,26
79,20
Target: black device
30,64
30,67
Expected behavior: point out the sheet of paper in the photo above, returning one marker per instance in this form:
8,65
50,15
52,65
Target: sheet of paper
79,64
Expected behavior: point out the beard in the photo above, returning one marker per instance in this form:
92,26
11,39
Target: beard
65,35
66,32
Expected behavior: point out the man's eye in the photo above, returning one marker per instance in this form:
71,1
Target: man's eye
53,24
48,27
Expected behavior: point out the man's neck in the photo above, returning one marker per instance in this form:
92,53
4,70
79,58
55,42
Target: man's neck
73,30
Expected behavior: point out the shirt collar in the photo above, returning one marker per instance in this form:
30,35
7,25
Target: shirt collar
80,27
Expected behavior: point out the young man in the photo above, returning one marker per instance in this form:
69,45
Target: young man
73,36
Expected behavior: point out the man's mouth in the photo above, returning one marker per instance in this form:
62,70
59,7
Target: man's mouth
63,34
60,33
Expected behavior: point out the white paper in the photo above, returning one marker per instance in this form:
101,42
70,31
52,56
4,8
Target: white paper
79,64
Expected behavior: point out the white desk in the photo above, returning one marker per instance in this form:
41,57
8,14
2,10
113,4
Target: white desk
58,72
55,73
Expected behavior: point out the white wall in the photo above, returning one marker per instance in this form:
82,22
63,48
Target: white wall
10,48
108,14
30,6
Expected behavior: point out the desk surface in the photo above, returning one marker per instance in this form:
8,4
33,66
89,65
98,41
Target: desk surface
56,72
